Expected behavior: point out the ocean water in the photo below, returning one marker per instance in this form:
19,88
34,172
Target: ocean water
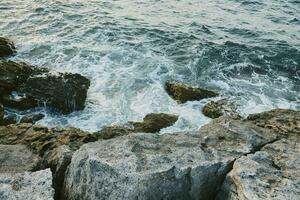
247,50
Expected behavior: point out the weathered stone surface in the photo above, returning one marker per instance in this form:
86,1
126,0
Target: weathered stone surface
32,118
55,146
188,165
183,93
154,122
215,109
272,173
65,92
17,158
280,120
7,47
113,131
26,186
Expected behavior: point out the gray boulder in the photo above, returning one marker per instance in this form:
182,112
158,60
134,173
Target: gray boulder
17,158
7,47
26,186
188,165
272,173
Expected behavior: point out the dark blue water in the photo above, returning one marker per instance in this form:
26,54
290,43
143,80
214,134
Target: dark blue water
247,50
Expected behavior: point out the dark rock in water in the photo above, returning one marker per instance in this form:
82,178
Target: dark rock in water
13,74
280,120
183,93
18,101
215,109
64,92
7,47
9,119
1,112
154,122
32,118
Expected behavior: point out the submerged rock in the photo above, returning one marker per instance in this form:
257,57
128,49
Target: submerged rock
27,185
154,122
188,165
183,93
63,91
7,47
215,109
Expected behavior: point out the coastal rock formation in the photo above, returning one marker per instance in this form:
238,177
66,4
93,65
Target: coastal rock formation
32,118
183,93
1,112
7,47
272,173
17,159
152,123
53,145
215,109
9,119
280,120
27,185
22,85
188,165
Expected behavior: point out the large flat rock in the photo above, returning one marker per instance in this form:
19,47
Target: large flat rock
188,165
26,186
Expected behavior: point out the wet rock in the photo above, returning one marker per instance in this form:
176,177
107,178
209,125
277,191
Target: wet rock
189,165
154,122
215,109
7,47
18,101
27,185
63,91
1,112
272,173
32,118
17,158
9,119
280,120
183,93
13,74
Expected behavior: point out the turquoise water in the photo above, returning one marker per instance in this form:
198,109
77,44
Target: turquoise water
247,50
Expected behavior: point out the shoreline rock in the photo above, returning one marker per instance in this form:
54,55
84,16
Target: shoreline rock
65,92
215,109
7,47
183,93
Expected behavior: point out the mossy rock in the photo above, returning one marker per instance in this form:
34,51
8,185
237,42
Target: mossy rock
183,93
